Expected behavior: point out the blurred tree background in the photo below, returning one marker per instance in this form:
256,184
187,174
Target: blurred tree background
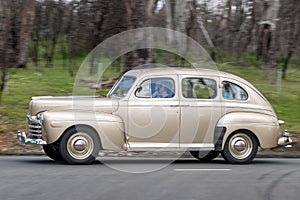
45,30
261,37
39,34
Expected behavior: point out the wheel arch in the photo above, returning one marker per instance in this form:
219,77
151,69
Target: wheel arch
84,126
223,133
239,131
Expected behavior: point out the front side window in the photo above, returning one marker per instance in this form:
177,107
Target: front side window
156,88
122,87
232,91
199,88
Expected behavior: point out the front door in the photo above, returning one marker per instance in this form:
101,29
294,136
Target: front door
154,114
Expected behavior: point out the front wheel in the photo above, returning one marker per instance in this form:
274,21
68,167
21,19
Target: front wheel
240,147
79,145
52,151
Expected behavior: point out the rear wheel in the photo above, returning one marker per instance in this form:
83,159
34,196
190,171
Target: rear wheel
79,145
240,147
207,157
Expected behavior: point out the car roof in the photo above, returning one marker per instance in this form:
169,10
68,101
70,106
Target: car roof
153,70
180,71
145,71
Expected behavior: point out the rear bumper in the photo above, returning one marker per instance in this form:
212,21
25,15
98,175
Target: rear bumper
285,139
23,139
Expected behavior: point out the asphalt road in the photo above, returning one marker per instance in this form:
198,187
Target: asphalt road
39,178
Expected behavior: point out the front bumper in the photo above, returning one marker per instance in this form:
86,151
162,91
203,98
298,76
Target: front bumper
285,140
23,139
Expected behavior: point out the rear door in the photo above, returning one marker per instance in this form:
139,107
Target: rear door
200,111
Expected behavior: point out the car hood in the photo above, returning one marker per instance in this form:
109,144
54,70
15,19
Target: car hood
95,104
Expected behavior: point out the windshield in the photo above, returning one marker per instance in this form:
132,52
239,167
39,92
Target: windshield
122,87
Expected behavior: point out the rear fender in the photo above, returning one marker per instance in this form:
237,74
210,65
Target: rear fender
264,127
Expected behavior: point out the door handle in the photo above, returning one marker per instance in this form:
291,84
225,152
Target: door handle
186,105
173,106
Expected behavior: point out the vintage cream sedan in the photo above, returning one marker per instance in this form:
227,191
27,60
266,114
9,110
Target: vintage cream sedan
202,111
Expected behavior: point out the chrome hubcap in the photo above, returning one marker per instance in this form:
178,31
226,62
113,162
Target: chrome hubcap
80,145
240,145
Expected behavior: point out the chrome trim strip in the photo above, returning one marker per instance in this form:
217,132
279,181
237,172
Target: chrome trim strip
144,146
169,149
34,126
153,145
35,131
197,145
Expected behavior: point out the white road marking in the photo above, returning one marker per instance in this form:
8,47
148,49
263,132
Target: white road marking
193,170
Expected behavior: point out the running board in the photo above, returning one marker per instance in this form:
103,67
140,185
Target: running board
143,149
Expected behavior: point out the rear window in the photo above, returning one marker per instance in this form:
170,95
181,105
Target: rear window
232,91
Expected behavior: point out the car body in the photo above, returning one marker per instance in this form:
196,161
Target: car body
203,111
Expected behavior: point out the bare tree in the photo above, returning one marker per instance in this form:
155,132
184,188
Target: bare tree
197,18
5,43
180,16
36,35
139,14
293,20
227,28
102,10
247,27
169,21
267,47
27,18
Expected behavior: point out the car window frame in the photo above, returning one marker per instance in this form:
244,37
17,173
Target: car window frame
110,93
144,79
240,85
195,98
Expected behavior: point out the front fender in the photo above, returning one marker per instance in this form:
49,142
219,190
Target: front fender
264,127
109,127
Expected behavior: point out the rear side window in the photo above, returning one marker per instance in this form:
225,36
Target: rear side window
232,91
199,88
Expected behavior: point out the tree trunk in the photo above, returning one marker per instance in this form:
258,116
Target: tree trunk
150,8
28,14
286,62
246,32
6,46
169,23
4,80
267,45
200,23
180,18
294,35
136,18
227,34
